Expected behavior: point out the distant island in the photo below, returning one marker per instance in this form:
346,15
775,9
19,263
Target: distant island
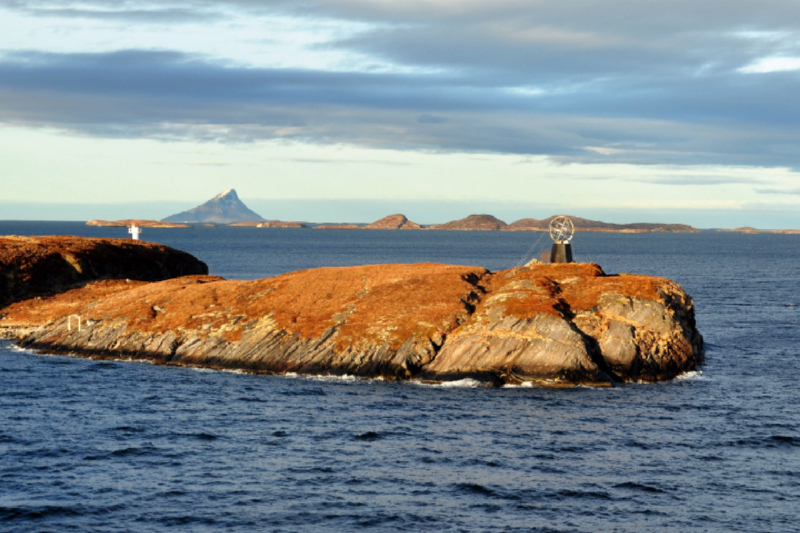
393,222
269,224
584,224
226,209
473,223
129,222
753,231
492,223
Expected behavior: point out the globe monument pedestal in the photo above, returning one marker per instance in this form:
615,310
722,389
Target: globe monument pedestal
561,231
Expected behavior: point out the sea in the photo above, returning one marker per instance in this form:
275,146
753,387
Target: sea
105,446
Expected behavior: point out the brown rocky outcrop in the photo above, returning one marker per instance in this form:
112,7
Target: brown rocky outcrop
550,325
129,221
473,222
40,266
393,222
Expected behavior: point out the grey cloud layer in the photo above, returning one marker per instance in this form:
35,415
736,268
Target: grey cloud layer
616,81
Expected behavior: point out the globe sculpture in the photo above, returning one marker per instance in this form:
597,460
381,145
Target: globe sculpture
561,231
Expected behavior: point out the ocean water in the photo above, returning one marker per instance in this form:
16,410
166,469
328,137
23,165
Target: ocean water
121,446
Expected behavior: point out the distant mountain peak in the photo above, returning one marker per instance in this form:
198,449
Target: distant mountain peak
227,193
224,208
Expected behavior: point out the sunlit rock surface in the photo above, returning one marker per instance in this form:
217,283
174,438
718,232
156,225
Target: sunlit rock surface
550,325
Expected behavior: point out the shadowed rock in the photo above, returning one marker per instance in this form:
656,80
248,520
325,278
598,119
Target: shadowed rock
40,266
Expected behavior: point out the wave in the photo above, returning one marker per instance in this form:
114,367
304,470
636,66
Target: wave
693,375
467,383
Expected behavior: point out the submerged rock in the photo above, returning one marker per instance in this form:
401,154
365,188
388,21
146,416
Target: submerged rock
552,325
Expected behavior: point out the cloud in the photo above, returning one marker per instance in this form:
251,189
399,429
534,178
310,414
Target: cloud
698,179
156,15
165,94
772,64
581,82
778,191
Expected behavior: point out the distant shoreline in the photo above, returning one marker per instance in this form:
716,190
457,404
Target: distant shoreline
399,221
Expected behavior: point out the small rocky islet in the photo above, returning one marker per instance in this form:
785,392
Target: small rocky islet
545,325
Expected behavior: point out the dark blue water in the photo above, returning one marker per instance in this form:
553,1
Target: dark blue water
114,446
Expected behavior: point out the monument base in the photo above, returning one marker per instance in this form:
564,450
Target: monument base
561,253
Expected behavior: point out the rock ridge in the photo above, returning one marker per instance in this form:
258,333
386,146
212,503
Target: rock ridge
549,325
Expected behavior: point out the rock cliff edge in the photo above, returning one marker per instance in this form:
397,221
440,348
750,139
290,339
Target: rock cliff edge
551,325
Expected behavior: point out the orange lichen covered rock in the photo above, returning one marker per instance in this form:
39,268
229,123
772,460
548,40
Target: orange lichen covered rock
381,320
551,325
40,266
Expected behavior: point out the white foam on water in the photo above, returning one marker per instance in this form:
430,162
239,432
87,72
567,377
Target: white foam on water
126,360
523,385
344,377
226,370
15,348
692,375
466,383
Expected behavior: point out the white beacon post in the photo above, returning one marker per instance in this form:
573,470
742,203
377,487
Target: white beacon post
135,230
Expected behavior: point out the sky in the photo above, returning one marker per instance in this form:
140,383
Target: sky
680,111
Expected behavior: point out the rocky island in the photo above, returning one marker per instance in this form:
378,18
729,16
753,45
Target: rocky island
585,224
473,223
129,222
224,208
547,325
269,224
393,222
